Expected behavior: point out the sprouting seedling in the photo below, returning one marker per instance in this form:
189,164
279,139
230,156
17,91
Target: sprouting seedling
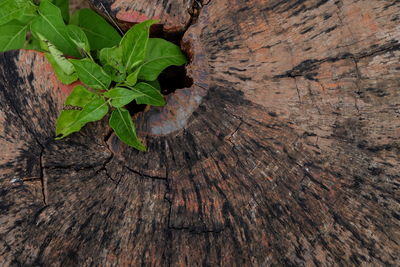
115,70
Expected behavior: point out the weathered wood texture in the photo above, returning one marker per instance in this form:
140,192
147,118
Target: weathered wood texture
285,151
174,15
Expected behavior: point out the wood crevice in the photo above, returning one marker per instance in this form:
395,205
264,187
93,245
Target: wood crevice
308,67
195,11
146,175
197,231
42,178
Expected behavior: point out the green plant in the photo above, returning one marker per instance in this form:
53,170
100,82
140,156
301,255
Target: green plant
115,70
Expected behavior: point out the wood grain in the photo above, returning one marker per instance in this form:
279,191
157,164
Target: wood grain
175,16
285,151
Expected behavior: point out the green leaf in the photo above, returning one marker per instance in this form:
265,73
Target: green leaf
59,58
134,44
122,96
41,40
78,37
12,36
61,75
99,32
115,74
155,84
93,108
111,59
29,13
33,44
91,74
160,54
50,24
122,124
63,5
150,95
12,10
133,77
80,97
63,69
112,56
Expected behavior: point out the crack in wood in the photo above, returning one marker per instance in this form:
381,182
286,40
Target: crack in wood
146,175
304,68
43,179
33,134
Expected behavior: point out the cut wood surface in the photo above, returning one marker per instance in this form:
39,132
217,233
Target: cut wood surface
284,151
174,15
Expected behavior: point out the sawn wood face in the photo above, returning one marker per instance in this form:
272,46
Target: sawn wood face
285,151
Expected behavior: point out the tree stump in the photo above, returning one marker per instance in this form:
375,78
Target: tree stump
284,151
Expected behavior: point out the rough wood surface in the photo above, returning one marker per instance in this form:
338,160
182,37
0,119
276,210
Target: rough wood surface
174,15
285,151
